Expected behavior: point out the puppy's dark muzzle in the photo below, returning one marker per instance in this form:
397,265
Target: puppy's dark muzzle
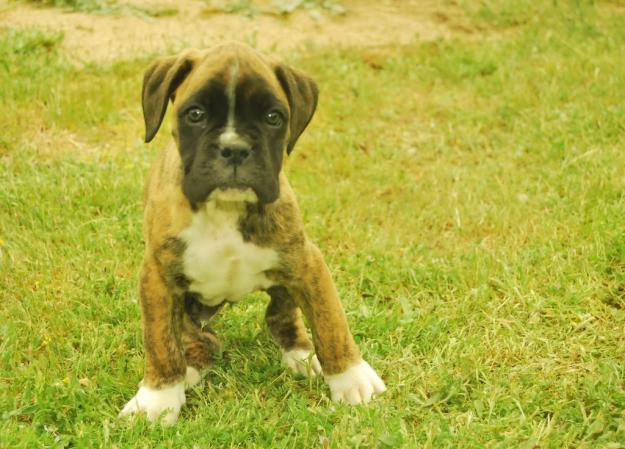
234,155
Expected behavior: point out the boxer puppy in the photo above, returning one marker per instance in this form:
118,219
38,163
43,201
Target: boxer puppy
221,221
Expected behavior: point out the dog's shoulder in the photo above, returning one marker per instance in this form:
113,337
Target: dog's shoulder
166,210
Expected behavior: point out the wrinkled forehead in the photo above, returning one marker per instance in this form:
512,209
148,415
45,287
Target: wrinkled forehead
234,71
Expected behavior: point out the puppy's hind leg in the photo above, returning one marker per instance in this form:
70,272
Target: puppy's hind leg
285,323
200,343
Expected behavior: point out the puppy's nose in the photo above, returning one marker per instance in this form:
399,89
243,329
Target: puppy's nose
234,154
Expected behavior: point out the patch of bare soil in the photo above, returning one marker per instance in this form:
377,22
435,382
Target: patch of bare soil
106,37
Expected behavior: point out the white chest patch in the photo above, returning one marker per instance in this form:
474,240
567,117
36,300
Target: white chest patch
219,264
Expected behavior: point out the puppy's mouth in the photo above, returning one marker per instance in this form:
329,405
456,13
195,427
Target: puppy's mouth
246,188
234,187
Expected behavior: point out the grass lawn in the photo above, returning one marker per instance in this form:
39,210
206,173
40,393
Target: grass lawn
469,197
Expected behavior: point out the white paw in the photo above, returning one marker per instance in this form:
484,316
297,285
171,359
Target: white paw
165,402
301,362
355,385
192,378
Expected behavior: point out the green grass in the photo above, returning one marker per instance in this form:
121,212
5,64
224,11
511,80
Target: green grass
468,195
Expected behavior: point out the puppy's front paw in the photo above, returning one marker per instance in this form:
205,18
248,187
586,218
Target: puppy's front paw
301,362
356,385
165,402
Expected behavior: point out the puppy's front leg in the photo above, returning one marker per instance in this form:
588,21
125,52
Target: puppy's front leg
161,393
349,377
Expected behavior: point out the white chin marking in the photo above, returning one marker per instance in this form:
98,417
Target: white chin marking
163,403
192,378
234,195
302,361
355,385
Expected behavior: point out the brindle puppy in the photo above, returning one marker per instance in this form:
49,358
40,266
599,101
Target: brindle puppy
221,221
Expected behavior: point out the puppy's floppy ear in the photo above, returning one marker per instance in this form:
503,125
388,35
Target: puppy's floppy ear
160,81
302,93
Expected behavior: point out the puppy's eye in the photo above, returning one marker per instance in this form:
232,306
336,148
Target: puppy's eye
195,115
273,118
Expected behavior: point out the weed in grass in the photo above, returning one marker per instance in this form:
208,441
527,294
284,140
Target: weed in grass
283,8
78,5
108,7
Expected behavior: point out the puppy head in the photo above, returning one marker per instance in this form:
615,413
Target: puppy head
235,114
